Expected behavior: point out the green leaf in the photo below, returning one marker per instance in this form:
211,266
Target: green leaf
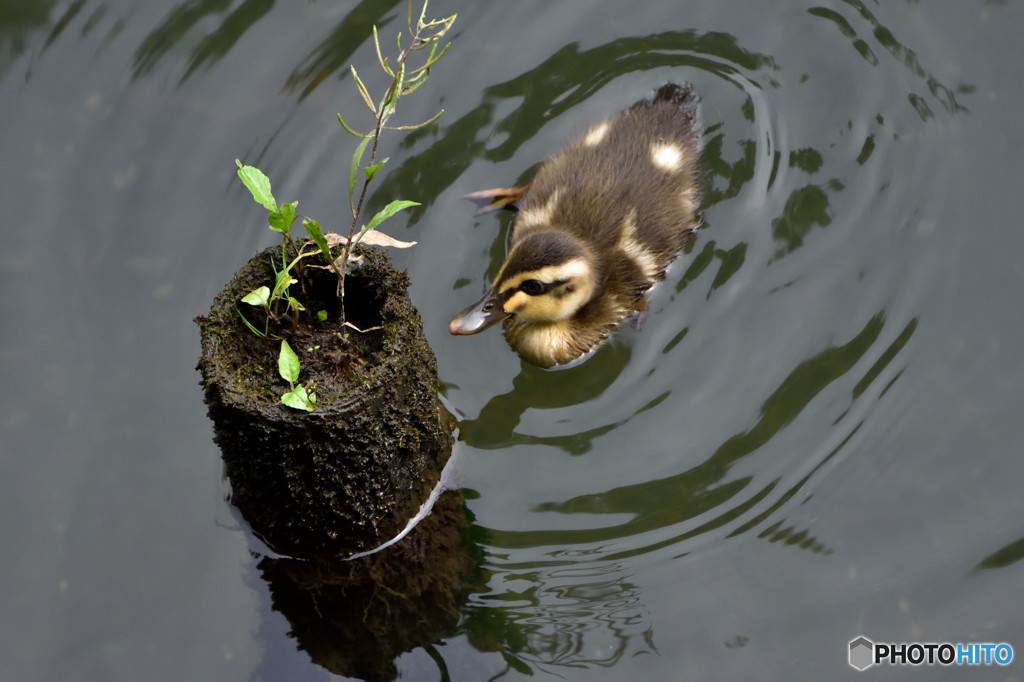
418,125
293,302
346,127
281,220
288,363
431,60
386,212
380,57
283,281
299,399
357,158
372,170
321,315
258,184
362,89
293,399
309,397
253,329
516,664
259,296
317,235
413,84
396,91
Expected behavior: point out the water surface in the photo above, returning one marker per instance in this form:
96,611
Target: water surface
814,436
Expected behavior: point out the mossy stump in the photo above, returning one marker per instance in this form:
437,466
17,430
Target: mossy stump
348,476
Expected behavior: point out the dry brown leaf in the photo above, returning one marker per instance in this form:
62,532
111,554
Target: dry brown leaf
373,237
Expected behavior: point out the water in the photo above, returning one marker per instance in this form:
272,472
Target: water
814,436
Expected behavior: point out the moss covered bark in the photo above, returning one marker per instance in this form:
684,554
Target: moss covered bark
349,475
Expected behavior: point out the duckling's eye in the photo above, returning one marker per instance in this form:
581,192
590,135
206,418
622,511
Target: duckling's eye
532,287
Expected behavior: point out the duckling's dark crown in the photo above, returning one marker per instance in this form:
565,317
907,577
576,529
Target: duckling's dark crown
541,250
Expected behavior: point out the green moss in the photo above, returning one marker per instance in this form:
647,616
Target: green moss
347,476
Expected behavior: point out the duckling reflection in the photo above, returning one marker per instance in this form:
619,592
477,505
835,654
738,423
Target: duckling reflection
596,228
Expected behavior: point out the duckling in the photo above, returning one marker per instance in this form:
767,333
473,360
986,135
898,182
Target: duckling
595,229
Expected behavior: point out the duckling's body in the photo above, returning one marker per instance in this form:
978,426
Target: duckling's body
597,227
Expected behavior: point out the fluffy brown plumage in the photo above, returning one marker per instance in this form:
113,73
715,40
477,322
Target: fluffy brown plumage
596,228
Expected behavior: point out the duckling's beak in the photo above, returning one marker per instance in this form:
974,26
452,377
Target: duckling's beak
478,316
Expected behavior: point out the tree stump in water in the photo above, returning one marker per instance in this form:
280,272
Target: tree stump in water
348,476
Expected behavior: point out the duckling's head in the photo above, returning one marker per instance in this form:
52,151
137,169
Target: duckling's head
547,278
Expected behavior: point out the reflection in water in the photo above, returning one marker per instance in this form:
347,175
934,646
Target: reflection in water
576,602
178,24
704,489
544,389
219,42
18,21
334,52
806,207
571,616
356,617
903,54
329,57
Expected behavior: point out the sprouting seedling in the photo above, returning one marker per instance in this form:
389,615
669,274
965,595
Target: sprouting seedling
288,366
404,81
280,219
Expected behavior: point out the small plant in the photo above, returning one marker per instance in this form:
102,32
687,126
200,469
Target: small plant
288,366
280,219
426,34
278,303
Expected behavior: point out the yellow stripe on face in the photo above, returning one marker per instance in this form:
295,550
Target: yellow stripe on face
544,308
566,271
667,157
516,302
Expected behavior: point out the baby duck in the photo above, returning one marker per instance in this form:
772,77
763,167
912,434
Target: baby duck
596,228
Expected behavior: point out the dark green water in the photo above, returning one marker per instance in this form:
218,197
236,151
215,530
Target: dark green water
816,434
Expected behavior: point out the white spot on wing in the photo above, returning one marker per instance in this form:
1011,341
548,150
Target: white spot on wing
629,242
538,215
689,200
667,157
596,134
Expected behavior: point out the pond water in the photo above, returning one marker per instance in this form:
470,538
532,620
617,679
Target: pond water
816,434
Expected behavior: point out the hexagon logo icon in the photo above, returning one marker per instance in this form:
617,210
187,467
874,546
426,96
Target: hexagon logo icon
862,652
